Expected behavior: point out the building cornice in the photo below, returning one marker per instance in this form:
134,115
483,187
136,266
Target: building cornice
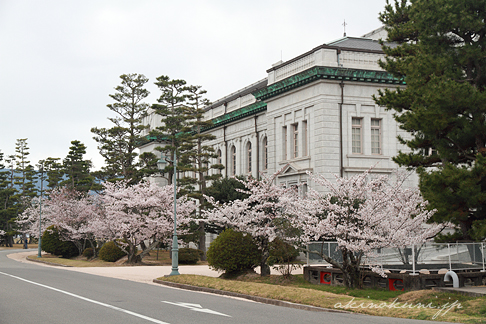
237,114
326,73
324,46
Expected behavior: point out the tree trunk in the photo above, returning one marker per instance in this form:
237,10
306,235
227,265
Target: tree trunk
202,239
133,257
144,247
264,267
350,269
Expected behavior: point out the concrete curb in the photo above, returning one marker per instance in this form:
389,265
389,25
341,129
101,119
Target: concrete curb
249,297
48,263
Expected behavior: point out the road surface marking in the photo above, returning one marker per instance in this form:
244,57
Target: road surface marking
196,307
89,300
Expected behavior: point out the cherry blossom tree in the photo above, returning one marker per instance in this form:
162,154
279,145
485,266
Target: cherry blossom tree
133,214
263,215
70,211
362,214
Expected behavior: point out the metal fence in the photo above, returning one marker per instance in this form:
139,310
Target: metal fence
425,257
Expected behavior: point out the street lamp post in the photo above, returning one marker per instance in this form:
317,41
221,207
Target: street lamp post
175,245
39,249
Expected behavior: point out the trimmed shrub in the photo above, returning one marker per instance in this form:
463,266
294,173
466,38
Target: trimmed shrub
51,243
109,252
88,253
282,252
189,256
233,252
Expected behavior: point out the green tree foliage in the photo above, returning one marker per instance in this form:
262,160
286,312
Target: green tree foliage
233,252
118,144
51,243
25,174
8,199
197,155
175,129
224,190
441,54
227,189
24,179
77,170
54,172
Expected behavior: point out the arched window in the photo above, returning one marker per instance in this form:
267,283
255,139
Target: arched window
265,153
248,157
233,160
219,160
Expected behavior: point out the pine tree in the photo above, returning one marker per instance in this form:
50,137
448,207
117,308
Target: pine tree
175,129
24,180
441,54
25,175
77,170
8,200
54,172
118,144
197,155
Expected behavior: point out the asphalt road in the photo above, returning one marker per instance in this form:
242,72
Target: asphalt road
37,294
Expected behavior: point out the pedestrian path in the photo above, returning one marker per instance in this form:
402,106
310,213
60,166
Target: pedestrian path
144,274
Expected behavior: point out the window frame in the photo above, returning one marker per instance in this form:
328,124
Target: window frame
379,135
358,127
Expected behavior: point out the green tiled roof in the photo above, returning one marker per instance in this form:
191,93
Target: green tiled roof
238,114
320,73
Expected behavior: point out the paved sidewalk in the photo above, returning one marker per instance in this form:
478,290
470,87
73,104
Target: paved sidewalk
145,274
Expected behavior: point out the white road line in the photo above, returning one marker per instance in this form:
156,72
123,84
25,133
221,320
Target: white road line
89,300
196,307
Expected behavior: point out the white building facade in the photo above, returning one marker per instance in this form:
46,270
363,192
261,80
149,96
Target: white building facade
314,113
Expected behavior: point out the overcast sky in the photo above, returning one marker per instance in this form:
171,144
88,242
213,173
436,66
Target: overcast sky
60,59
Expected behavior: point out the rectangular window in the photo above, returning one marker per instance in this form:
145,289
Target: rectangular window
265,154
304,138
220,160
375,136
356,135
249,158
295,140
303,190
284,143
233,160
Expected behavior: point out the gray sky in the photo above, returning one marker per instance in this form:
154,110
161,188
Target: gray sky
60,59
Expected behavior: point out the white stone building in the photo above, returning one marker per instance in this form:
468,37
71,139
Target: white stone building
314,112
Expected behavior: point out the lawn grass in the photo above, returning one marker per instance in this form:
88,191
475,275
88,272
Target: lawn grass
297,291
80,262
162,259
19,247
